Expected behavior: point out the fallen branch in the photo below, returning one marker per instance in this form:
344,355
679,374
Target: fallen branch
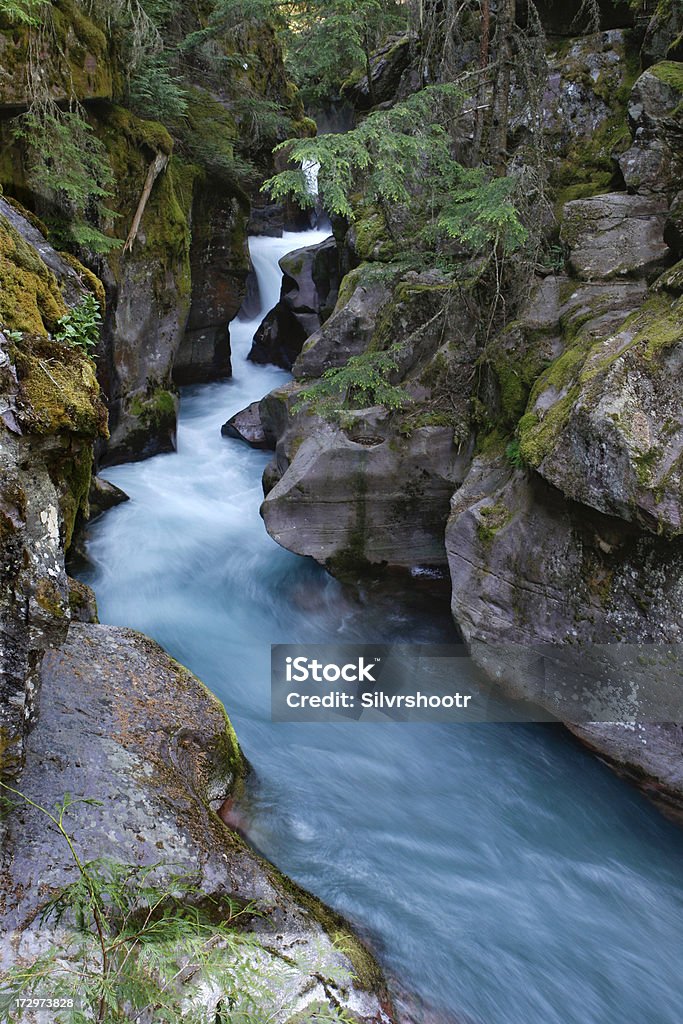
155,169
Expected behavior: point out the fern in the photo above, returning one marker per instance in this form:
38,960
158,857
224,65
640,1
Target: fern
363,381
22,12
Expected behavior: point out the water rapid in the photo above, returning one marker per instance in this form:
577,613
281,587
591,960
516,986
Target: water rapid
502,871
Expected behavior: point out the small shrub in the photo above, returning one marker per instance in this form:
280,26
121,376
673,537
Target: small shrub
362,382
80,327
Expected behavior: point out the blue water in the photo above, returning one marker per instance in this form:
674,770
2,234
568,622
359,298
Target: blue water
501,870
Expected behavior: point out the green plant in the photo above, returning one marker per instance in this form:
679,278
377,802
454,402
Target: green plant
362,382
131,949
403,156
23,12
69,166
80,327
14,336
513,453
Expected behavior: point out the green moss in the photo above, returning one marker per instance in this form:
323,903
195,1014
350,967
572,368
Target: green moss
670,72
492,519
59,389
156,410
671,280
75,476
652,331
136,133
30,299
588,168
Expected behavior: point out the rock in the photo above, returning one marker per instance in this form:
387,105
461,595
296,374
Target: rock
247,426
664,35
310,286
50,415
542,583
572,18
155,748
350,328
673,231
82,61
387,67
82,602
351,498
103,496
615,235
219,264
654,163
606,426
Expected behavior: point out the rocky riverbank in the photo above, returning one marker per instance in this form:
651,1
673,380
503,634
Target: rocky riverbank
540,465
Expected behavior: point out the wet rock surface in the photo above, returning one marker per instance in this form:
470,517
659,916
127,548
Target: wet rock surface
247,426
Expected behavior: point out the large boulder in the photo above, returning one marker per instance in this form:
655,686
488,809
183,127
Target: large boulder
353,497
615,235
154,754
246,425
545,590
654,163
605,424
310,285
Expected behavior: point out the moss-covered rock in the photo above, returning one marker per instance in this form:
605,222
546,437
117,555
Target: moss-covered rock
605,425
30,297
77,60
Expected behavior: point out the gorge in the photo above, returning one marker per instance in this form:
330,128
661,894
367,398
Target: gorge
451,413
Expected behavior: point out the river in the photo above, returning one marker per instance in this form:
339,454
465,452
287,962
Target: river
501,870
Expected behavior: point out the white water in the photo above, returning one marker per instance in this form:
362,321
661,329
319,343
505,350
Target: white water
503,872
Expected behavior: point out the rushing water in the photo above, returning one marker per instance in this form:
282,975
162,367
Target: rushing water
502,871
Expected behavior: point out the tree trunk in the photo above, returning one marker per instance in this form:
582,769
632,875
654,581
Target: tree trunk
503,42
481,91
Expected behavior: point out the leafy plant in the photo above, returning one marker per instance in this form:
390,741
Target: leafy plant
69,165
403,156
22,12
155,91
363,381
514,455
80,327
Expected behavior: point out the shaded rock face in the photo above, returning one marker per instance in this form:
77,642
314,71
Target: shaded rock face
156,749
82,60
388,66
310,285
219,264
663,35
654,163
50,415
530,569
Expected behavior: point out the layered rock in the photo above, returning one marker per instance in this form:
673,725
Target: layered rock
363,487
